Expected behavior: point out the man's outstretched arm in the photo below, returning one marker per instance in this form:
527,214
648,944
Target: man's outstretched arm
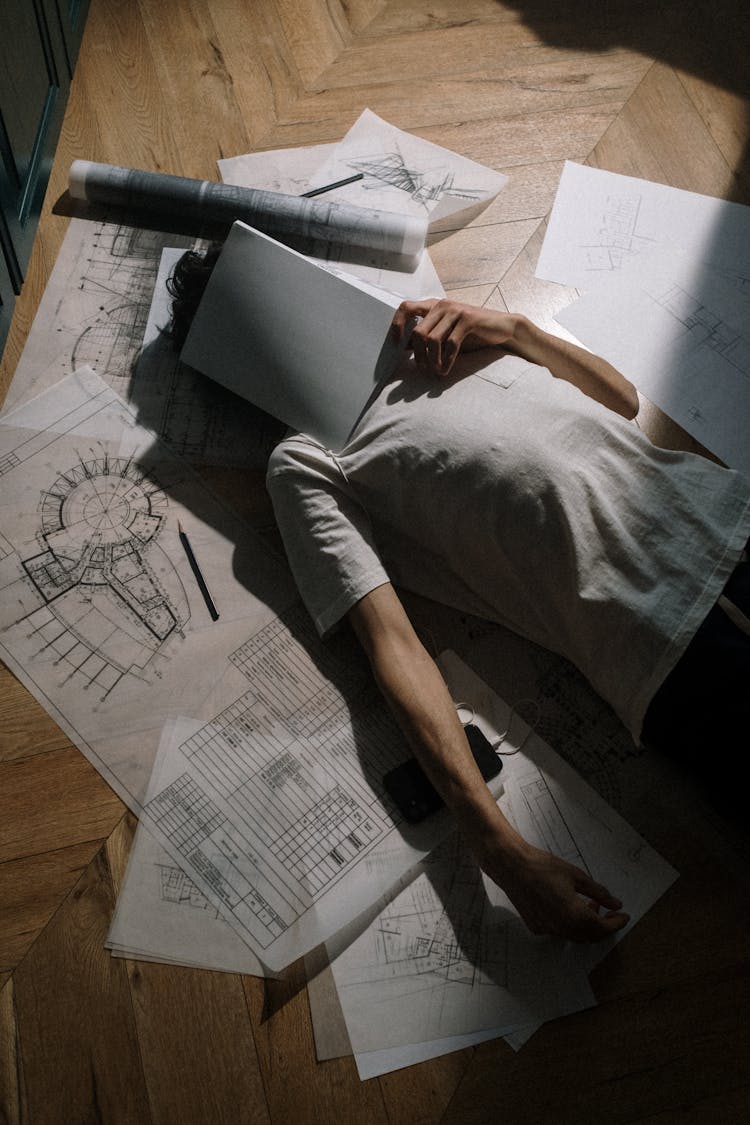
552,896
447,327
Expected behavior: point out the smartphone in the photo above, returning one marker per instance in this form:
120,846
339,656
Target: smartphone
414,794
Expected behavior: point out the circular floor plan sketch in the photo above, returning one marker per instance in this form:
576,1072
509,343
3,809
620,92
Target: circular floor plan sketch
111,596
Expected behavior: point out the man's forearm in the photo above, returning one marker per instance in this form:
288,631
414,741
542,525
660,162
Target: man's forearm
416,694
590,373
549,893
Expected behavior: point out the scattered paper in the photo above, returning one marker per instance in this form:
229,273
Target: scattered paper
275,806
405,174
601,220
680,331
449,956
101,616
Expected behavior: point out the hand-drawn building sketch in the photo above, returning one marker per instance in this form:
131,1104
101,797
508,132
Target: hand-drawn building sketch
424,185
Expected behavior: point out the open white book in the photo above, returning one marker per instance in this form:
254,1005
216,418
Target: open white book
304,344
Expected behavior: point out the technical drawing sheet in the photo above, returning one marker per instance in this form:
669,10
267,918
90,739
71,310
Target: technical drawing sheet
404,173
101,616
94,308
161,915
601,220
275,807
449,956
681,333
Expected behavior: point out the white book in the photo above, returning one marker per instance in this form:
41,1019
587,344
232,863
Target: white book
308,346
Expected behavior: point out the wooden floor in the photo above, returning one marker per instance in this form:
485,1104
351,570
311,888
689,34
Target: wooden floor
654,90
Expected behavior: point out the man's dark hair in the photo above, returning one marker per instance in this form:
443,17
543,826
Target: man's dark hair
186,285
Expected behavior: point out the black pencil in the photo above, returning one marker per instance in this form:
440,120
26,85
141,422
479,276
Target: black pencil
330,187
197,572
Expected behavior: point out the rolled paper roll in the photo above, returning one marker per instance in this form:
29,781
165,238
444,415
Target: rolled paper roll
272,212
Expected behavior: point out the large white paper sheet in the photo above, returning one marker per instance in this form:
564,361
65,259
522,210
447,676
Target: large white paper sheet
681,332
449,955
404,173
101,616
308,346
601,220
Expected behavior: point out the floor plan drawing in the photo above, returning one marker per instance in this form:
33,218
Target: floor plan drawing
95,306
602,221
679,329
703,326
100,613
106,608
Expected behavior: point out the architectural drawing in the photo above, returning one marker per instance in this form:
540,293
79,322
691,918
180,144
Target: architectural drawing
601,221
404,173
423,185
703,326
449,955
275,807
617,236
106,606
176,886
679,330
95,306
100,614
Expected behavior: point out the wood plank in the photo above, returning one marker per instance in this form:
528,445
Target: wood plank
31,890
299,1088
479,255
191,69
199,1058
661,136
52,801
25,727
78,1054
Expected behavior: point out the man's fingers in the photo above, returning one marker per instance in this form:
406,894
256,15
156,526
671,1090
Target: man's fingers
597,892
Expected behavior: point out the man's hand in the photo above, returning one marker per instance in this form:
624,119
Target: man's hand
446,328
554,897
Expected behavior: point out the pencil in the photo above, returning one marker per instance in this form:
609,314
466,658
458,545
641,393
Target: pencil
330,187
197,572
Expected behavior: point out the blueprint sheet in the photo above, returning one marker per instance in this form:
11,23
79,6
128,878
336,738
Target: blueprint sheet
275,808
449,956
601,220
681,333
100,614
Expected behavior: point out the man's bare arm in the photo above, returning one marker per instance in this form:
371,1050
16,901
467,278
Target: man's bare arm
551,895
447,327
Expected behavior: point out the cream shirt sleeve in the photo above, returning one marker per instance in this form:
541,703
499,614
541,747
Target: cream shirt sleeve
327,534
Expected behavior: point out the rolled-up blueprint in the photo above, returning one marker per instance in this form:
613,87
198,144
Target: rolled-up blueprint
271,212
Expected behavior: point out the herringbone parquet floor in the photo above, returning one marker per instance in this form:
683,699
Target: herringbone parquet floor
658,91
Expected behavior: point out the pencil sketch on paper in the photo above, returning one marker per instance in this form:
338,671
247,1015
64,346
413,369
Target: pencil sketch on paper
426,185
618,235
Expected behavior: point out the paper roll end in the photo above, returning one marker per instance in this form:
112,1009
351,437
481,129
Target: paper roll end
415,235
79,170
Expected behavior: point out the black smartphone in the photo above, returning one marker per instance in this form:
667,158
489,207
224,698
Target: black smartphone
414,794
